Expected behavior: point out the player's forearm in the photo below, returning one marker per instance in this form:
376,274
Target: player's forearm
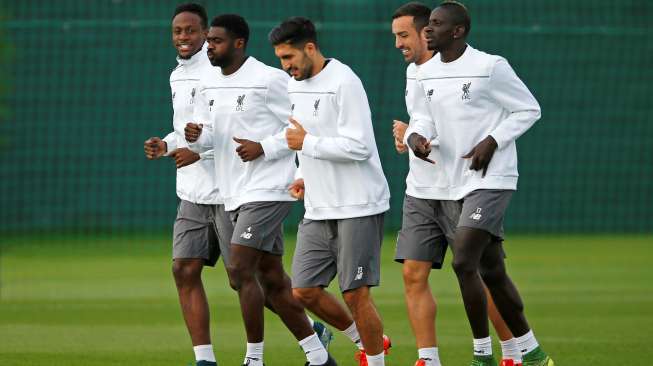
275,146
341,149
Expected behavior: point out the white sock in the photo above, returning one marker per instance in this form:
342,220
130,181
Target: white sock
254,354
483,347
314,350
352,333
204,352
430,355
527,342
510,350
376,360
310,320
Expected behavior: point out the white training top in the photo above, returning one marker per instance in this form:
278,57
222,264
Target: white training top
464,101
339,160
195,182
252,103
424,180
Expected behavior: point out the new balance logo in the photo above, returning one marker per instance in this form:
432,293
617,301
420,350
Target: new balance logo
466,91
247,234
173,95
292,108
429,94
359,274
192,96
316,107
476,215
239,103
210,104
479,351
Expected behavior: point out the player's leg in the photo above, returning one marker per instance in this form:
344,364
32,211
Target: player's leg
509,350
195,245
509,303
421,246
279,293
481,222
467,250
323,304
359,252
261,226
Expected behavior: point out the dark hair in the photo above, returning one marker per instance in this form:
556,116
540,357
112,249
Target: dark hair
418,11
196,9
295,31
459,13
233,24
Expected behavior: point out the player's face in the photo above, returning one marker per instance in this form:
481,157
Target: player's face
439,33
220,47
407,39
295,61
187,34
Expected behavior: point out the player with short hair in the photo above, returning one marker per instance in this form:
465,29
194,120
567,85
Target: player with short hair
196,241
476,106
246,103
346,192
428,223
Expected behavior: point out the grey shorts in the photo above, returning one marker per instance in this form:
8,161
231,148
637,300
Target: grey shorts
197,232
259,225
350,248
427,228
485,209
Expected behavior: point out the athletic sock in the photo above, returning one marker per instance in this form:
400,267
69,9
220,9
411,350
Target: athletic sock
527,342
315,352
254,354
204,352
376,360
430,355
510,350
483,346
352,333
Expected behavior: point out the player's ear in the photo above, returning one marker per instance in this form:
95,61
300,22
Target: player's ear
309,48
240,43
459,31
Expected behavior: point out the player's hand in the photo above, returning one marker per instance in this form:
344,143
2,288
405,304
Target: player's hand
295,136
481,154
155,148
399,129
296,189
420,146
192,131
248,150
400,147
184,156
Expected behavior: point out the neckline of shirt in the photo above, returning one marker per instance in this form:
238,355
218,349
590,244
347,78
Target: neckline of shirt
194,58
455,62
245,65
318,76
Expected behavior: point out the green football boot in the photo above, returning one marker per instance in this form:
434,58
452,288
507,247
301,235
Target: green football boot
484,361
537,357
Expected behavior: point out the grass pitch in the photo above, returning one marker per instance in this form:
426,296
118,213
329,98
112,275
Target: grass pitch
111,301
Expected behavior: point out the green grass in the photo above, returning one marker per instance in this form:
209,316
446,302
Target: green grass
111,301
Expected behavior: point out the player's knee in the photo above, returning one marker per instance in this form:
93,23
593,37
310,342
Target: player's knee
306,296
414,278
186,272
356,298
239,275
463,266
